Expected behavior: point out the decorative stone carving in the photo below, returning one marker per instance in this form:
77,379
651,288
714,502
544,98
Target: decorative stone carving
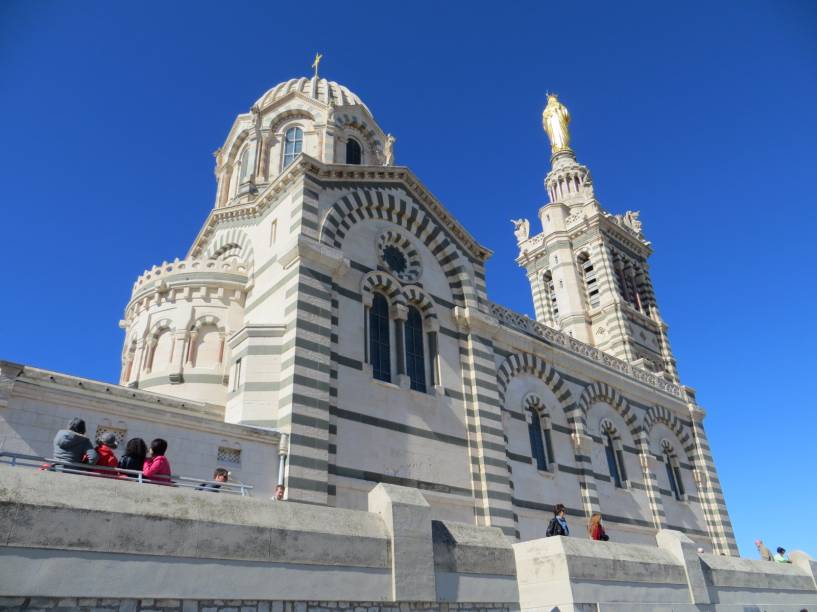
389,153
521,229
629,220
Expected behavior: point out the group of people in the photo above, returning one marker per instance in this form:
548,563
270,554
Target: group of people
558,525
778,557
595,531
71,445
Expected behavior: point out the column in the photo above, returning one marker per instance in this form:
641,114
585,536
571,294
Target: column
400,314
191,348
432,325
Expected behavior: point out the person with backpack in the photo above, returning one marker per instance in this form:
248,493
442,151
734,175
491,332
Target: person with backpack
558,524
595,529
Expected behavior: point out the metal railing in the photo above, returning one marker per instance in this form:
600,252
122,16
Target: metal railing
134,476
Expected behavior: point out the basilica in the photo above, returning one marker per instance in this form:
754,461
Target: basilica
330,329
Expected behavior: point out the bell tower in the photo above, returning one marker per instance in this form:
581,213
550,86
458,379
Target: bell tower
588,268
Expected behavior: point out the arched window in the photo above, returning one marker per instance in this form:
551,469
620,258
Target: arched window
615,458
551,304
676,483
541,446
537,446
415,357
209,346
354,155
244,165
162,351
293,144
590,282
379,346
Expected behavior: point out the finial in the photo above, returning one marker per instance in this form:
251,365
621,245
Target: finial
318,57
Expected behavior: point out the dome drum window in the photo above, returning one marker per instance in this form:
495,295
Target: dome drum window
293,144
354,153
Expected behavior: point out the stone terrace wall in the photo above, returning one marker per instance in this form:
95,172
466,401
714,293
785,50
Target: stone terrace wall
52,604
75,542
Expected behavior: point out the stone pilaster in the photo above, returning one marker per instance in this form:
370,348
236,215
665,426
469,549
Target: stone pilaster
304,396
712,500
486,439
582,447
648,467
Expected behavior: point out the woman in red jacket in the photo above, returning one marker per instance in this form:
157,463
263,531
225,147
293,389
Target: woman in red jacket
157,467
595,529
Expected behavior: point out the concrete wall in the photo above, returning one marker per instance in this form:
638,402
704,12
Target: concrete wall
35,404
570,574
72,536
78,542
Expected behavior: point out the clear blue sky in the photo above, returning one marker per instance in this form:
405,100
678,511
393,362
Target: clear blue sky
700,115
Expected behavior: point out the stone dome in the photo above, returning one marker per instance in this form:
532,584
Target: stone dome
328,92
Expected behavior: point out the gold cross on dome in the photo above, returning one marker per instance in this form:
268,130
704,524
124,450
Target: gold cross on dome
318,57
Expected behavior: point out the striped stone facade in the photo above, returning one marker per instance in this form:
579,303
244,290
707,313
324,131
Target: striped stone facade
320,241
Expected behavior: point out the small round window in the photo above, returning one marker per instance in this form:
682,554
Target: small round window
398,255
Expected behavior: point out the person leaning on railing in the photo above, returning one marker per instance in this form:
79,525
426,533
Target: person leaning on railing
134,456
72,446
105,446
157,467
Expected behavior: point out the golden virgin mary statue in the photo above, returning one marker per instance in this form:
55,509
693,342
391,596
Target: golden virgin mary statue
555,119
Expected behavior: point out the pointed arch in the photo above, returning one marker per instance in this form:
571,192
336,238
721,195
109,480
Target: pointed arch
525,363
599,391
402,210
230,240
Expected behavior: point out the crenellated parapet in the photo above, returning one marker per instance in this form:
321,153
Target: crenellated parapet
186,279
177,323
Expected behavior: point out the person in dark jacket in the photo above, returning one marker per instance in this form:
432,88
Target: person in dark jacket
220,475
71,445
558,524
134,456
